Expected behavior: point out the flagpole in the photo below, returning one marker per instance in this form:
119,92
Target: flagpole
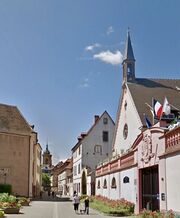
162,109
153,110
174,107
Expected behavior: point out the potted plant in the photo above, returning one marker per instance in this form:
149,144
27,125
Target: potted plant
23,201
1,213
11,207
9,203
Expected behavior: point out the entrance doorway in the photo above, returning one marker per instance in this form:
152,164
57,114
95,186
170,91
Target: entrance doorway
150,188
84,183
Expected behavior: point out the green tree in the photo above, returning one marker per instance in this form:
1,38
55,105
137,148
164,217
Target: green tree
46,180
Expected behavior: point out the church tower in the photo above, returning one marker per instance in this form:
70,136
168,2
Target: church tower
128,62
47,157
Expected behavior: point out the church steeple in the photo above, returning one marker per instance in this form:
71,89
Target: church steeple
128,61
47,157
47,149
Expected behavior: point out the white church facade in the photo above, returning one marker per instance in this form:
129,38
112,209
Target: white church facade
145,168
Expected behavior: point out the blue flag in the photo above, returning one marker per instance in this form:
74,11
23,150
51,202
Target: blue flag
148,123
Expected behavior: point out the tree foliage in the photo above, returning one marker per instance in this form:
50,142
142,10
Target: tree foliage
46,180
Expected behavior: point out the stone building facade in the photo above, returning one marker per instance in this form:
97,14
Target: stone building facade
92,147
18,156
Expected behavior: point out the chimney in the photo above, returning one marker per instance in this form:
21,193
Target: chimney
79,138
96,118
83,134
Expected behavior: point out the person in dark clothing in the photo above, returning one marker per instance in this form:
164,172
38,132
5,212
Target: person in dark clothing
86,202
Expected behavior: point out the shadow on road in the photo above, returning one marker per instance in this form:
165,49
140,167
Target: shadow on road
51,198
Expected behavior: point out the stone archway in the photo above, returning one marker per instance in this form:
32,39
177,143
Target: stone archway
84,183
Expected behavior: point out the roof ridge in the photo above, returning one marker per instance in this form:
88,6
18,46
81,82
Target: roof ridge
7,105
157,78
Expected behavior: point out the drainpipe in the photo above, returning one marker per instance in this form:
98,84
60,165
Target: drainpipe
29,165
165,184
120,185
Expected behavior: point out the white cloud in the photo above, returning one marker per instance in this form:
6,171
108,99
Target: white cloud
109,57
92,47
85,83
109,30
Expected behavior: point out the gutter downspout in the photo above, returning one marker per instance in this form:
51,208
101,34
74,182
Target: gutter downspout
165,184
29,166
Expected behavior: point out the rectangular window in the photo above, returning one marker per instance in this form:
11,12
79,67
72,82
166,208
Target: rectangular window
75,170
79,169
105,136
105,120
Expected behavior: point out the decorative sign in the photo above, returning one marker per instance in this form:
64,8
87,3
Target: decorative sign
147,148
163,196
4,171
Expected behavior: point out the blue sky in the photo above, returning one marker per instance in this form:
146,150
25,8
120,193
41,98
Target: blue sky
60,59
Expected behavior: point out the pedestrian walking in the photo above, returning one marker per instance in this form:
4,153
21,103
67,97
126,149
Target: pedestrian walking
53,194
86,203
76,202
40,194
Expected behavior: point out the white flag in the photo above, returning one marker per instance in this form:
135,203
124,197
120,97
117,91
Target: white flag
166,107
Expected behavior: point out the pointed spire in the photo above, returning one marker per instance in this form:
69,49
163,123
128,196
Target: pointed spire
47,147
129,61
128,55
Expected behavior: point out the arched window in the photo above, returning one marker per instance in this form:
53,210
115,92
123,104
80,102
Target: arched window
98,186
113,183
125,131
126,179
105,184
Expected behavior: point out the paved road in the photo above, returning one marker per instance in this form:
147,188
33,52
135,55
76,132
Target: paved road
52,209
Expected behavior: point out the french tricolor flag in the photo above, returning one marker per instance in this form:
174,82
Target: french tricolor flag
157,108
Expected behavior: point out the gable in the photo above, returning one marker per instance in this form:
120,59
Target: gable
12,121
127,118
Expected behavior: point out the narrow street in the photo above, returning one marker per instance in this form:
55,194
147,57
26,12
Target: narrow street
52,209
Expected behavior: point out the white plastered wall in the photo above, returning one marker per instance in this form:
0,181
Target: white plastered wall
115,192
172,182
90,158
129,190
130,117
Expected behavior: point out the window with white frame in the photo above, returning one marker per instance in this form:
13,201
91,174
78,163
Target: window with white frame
75,170
113,183
98,149
105,184
98,186
79,168
105,136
